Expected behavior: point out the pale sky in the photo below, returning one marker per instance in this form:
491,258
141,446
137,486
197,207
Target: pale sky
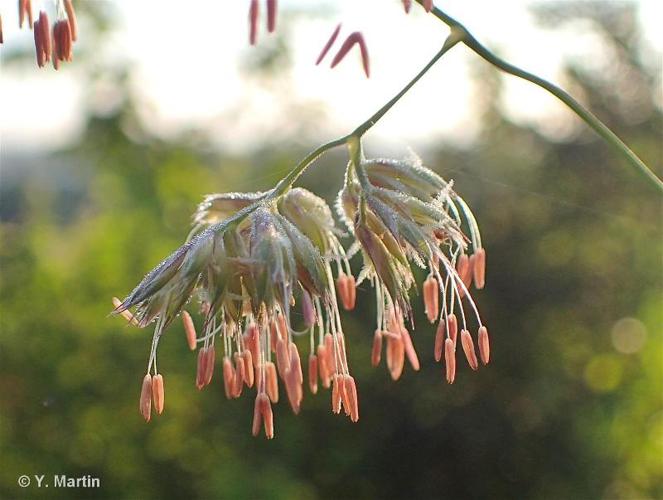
189,59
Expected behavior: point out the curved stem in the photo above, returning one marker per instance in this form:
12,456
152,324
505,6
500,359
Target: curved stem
452,40
599,127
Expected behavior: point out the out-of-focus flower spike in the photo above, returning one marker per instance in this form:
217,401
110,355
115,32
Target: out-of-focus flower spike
254,11
145,405
376,351
428,5
125,314
439,340
228,377
189,330
313,373
407,5
352,39
353,401
468,348
271,15
431,293
484,345
71,16
479,268
249,373
450,360
271,382
158,394
410,352
328,45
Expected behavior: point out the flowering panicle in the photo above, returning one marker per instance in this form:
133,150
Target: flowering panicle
401,213
266,268
261,281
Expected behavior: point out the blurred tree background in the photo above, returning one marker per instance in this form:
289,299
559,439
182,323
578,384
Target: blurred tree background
571,405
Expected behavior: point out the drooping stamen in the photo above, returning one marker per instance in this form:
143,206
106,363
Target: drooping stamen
145,405
45,35
468,348
158,393
282,358
350,390
431,293
254,10
201,368
428,5
352,39
271,15
189,330
345,285
238,380
407,5
294,380
376,351
484,345
249,372
409,349
337,393
262,413
228,377
209,364
450,360
395,357
313,373
479,268
439,339
464,271
71,16
271,382
252,342
452,328
328,45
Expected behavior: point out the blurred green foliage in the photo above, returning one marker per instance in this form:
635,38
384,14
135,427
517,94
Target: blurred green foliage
570,407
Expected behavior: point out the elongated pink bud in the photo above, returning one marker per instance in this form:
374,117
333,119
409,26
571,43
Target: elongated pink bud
439,339
428,5
480,268
410,352
431,293
201,368
157,393
189,330
271,15
228,377
484,345
209,364
328,45
452,328
313,373
468,348
337,393
249,371
350,41
71,16
308,311
254,10
271,382
353,400
450,360
145,405
376,352
407,5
